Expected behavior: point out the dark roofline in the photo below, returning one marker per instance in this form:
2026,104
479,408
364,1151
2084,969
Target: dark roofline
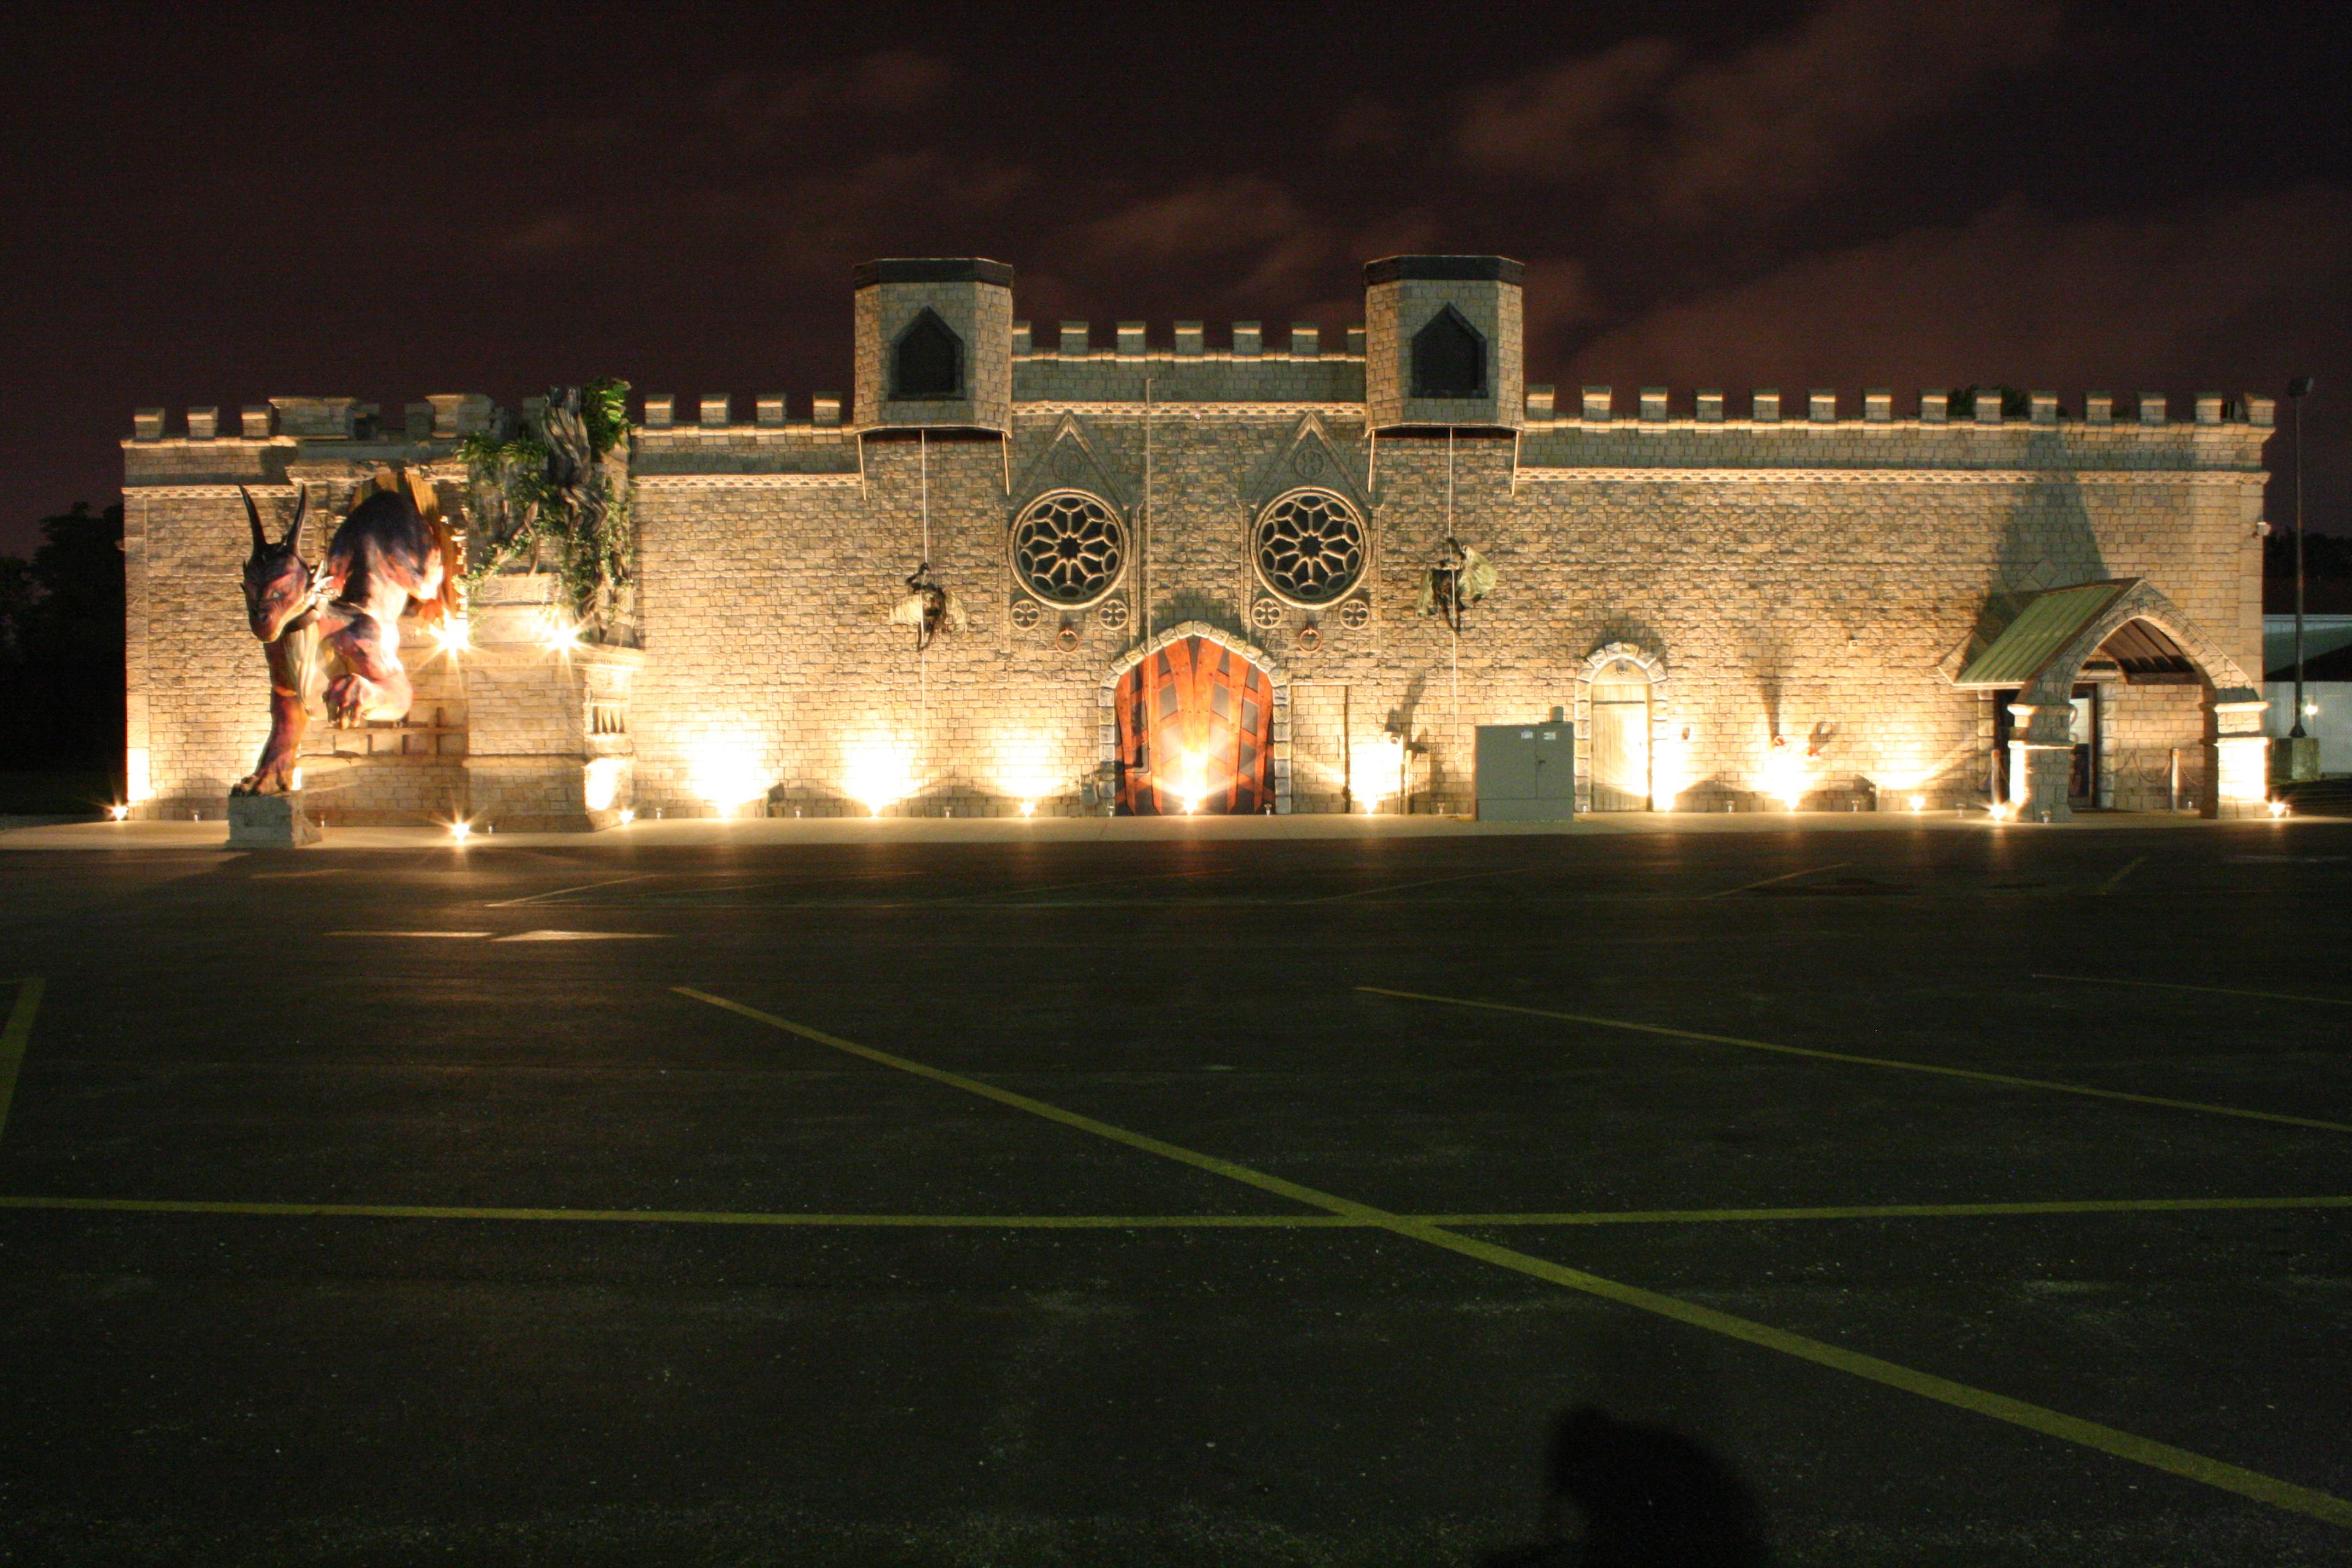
1445,270
932,270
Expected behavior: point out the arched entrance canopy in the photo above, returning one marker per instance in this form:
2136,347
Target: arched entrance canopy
2041,654
2041,651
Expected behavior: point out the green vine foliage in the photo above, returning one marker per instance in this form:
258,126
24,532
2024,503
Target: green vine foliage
557,492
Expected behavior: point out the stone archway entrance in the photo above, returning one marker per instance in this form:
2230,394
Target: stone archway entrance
2169,701
1197,722
1621,700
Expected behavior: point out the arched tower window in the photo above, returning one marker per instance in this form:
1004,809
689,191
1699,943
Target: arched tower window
928,361
1449,358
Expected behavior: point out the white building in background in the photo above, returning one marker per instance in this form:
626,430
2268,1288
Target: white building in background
2326,688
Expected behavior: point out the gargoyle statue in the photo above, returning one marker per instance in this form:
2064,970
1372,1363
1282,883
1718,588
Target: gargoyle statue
394,549
1461,578
928,607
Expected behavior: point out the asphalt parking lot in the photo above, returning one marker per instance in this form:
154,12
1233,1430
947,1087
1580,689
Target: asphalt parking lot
1979,1196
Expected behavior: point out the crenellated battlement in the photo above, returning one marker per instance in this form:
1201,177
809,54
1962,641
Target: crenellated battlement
1441,346
1932,407
1188,340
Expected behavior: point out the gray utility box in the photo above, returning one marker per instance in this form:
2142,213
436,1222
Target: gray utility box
1527,772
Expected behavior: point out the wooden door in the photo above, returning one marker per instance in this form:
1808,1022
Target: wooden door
1195,731
1621,742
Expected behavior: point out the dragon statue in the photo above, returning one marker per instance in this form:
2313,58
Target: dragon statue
394,550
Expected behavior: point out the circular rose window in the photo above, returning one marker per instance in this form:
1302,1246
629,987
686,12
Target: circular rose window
1310,547
1068,548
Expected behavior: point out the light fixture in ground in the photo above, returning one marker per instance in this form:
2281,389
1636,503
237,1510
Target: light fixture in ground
877,772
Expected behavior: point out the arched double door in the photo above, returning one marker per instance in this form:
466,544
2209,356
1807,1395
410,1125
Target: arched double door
1195,731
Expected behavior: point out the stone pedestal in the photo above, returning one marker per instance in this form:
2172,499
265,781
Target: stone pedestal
2041,761
2293,758
547,743
2241,755
269,822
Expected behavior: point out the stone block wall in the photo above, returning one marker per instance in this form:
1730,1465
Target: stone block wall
1806,580
198,685
551,729
974,300
1403,295
2143,731
1788,594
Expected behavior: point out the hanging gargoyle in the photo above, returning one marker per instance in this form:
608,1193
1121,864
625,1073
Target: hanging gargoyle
1460,579
928,607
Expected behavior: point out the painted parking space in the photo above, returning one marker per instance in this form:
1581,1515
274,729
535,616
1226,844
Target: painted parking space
476,1123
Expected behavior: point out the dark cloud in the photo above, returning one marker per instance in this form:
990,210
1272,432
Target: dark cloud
210,209
1266,244
758,108
1692,141
2020,295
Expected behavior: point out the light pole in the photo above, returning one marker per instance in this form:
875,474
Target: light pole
2297,386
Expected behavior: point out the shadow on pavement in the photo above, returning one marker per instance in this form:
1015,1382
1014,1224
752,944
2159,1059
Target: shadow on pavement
1625,1495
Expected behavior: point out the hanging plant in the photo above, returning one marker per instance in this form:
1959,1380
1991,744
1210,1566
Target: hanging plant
557,493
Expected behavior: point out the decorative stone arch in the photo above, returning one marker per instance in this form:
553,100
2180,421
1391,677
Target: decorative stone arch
1106,700
2235,704
1653,666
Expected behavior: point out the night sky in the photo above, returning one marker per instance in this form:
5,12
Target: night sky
216,205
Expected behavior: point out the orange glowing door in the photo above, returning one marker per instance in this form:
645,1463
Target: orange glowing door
1195,730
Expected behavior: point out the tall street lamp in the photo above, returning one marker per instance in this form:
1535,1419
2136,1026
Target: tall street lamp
2297,388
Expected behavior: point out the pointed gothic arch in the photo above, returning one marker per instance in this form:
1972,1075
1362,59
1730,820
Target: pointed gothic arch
1449,357
927,362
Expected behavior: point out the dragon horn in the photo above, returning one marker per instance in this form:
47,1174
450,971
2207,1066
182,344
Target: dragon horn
301,508
252,517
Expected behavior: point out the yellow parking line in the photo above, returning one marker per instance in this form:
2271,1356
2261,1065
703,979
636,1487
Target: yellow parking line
1999,1407
1783,877
2006,1079
2112,883
13,1036
1402,886
559,892
686,1217
1141,1221
2208,990
1890,1211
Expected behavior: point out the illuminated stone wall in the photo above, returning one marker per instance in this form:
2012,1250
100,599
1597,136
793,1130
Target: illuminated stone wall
1789,590
1812,579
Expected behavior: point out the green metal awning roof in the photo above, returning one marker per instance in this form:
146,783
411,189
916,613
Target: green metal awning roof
2048,623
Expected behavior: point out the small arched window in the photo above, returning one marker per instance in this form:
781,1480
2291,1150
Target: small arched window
1449,358
927,362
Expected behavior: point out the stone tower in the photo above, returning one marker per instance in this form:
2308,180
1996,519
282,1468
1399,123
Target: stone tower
1443,342
935,343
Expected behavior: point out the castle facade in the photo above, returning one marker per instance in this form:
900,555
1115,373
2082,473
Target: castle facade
1127,573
